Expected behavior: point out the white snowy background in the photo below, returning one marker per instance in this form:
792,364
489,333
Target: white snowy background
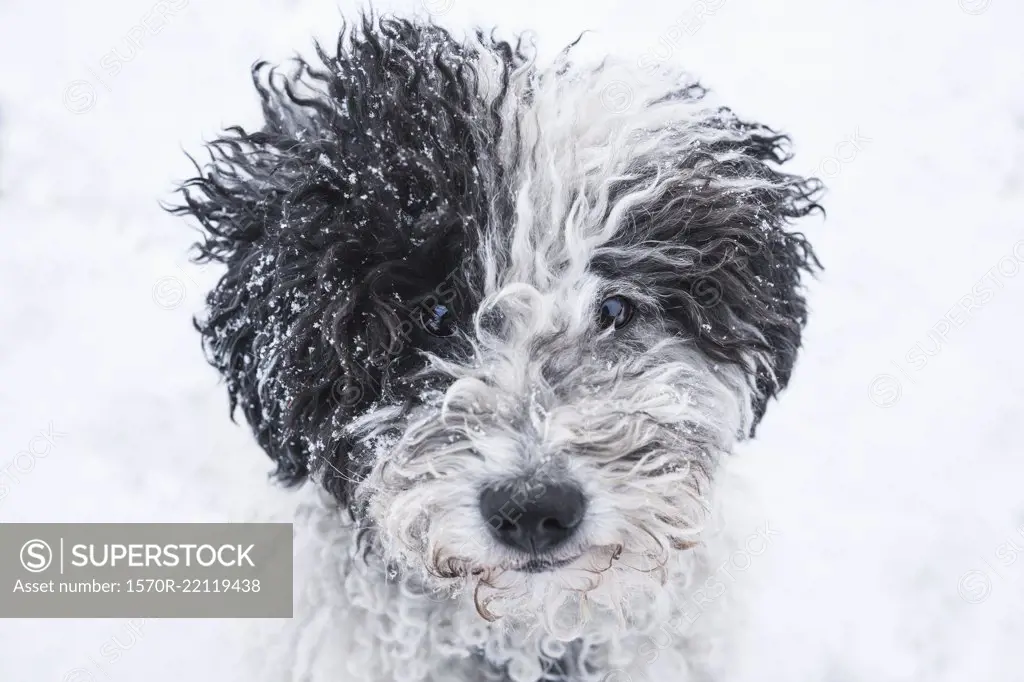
895,487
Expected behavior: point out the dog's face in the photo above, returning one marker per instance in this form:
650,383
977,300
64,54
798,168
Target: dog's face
512,318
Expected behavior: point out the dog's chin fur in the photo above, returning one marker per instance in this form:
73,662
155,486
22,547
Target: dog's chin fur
357,617
411,184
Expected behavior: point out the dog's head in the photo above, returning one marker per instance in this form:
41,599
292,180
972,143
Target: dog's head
511,317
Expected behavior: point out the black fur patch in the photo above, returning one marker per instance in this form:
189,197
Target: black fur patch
342,222
742,295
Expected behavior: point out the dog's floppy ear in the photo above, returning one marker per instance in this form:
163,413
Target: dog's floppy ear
249,199
729,269
748,294
352,200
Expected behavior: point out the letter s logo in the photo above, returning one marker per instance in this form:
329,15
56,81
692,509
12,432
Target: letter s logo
36,556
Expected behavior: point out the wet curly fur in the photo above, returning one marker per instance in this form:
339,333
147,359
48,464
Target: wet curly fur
409,180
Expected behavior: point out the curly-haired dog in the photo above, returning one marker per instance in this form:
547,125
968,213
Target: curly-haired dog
510,319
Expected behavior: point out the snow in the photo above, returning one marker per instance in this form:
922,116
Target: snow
894,485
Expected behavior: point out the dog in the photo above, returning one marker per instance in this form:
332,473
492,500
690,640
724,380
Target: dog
501,323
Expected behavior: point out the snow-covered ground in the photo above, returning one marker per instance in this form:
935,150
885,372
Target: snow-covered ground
895,479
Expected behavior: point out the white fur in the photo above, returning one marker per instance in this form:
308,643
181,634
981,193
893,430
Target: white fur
354,621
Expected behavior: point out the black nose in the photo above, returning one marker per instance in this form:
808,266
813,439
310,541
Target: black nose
533,517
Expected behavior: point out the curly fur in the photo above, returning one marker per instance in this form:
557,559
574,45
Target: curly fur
409,170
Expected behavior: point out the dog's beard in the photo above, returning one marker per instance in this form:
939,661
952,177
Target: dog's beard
640,437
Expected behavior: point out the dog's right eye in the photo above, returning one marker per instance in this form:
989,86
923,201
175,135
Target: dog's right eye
440,321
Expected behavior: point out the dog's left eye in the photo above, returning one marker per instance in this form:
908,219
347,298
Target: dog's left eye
440,321
616,311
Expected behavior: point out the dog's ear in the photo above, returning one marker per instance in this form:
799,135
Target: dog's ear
304,318
250,199
747,291
729,268
351,201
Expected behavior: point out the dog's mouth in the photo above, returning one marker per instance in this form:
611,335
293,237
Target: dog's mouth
542,565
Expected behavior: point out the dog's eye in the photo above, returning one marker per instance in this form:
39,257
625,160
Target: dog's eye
616,311
440,321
